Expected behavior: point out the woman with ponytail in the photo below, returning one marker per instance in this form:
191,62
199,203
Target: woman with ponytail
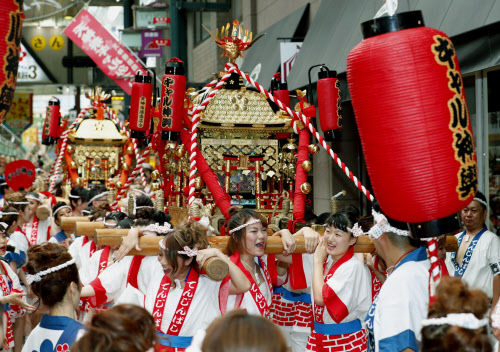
178,295
54,280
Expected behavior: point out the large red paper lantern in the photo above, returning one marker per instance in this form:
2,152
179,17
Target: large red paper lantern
173,90
20,174
330,119
408,97
11,19
140,106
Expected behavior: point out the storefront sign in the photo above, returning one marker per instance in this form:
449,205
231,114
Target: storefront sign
115,60
20,115
56,42
29,69
161,20
147,38
38,43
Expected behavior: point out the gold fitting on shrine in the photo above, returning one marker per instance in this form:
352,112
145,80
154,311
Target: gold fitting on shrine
72,165
306,165
155,175
313,149
130,150
305,188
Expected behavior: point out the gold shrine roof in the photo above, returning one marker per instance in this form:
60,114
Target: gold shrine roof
233,108
98,132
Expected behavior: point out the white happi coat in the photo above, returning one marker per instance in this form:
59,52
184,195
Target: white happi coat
395,318
475,269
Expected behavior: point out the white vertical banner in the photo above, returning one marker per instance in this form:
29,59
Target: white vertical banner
288,53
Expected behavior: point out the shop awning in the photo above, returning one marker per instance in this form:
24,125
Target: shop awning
262,60
336,30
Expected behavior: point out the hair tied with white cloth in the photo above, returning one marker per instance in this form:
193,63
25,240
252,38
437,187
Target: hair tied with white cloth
166,228
38,276
251,222
61,208
462,320
356,230
2,214
382,226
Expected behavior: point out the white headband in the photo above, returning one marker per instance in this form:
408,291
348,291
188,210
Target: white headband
3,184
19,203
60,208
463,320
481,201
8,213
109,225
166,228
4,225
76,197
381,226
98,196
38,276
39,200
251,222
187,251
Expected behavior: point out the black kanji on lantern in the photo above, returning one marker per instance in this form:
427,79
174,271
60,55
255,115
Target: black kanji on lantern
456,81
445,51
15,28
459,113
12,61
464,145
168,82
468,180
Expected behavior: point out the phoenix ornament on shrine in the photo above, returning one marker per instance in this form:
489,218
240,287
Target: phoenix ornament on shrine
235,44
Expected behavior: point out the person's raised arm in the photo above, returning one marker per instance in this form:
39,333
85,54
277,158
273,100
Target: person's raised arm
129,242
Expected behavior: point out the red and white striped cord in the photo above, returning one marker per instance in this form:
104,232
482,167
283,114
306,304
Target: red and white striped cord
299,115
131,177
194,131
432,246
134,142
64,143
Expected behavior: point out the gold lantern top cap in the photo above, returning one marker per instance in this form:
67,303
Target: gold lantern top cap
236,42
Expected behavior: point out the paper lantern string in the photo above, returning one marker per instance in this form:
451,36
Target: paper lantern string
38,276
166,228
251,222
463,320
481,201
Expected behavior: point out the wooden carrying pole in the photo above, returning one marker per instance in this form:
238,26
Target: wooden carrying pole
150,246
87,228
68,224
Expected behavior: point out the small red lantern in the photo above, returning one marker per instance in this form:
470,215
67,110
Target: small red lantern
329,100
11,18
279,90
52,120
20,174
409,102
172,100
140,106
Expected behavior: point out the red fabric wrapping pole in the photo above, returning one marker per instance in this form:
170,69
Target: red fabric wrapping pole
221,199
299,199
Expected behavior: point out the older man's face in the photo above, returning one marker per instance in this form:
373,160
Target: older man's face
473,216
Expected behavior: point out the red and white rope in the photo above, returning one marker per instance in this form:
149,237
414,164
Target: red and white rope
194,131
432,246
131,177
299,115
134,142
64,143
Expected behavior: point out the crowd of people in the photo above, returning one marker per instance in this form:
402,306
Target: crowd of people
61,292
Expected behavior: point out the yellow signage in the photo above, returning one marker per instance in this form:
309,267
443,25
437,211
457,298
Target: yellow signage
38,43
56,42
